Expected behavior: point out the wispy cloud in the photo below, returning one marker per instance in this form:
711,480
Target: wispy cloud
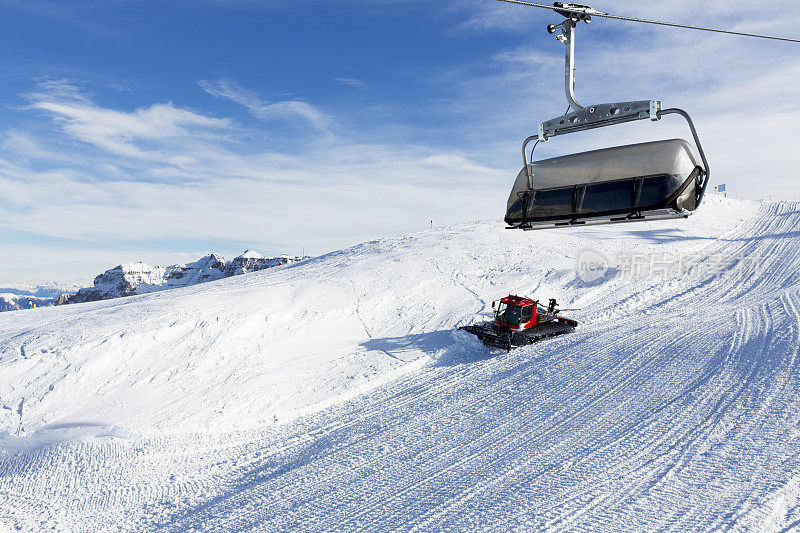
481,16
352,82
287,110
119,132
61,89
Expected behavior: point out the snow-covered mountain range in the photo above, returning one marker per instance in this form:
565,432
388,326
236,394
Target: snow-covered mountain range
16,296
129,279
15,302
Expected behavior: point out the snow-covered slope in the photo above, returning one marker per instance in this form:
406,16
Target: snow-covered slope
675,405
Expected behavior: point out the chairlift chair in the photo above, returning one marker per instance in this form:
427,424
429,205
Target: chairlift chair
645,181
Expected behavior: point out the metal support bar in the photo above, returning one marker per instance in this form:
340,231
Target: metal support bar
525,158
707,169
569,34
600,115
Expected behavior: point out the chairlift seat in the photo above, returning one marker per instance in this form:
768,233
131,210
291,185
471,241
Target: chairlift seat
661,179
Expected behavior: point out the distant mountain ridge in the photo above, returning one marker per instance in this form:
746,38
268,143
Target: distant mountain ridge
15,302
16,296
47,290
129,279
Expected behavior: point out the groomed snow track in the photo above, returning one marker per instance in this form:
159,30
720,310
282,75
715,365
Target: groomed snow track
675,406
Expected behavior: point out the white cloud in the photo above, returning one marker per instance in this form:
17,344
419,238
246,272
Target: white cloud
352,82
287,110
62,90
489,16
525,57
120,132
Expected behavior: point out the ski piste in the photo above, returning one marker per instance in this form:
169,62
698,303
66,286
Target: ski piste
387,415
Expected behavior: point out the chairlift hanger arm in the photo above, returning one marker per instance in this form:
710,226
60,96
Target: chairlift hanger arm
579,12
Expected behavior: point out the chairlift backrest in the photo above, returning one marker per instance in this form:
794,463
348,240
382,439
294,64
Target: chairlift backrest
647,178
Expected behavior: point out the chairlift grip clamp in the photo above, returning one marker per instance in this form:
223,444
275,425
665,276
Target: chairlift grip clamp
655,110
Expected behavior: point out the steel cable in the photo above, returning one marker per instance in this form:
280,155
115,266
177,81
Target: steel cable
593,13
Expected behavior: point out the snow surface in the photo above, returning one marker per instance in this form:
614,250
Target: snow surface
675,405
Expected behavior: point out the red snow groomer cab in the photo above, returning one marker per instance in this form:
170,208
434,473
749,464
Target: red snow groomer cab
519,321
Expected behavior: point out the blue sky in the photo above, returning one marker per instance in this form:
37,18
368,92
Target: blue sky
155,131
